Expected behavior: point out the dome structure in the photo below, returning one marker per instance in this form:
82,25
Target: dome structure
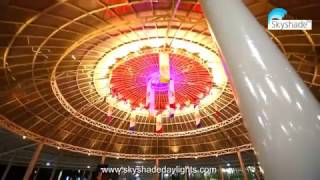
76,97
73,71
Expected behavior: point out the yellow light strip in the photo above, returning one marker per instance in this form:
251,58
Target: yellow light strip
164,67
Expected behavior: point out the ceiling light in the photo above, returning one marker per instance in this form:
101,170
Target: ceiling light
110,59
73,57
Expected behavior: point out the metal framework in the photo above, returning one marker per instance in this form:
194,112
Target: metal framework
49,60
60,145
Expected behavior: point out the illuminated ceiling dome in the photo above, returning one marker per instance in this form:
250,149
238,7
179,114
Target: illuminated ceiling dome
192,80
67,63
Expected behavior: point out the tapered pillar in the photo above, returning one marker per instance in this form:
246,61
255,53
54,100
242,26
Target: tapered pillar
221,173
279,111
33,162
102,162
243,168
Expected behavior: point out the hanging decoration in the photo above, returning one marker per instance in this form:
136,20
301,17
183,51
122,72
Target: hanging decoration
159,128
217,113
164,67
161,79
109,115
171,98
197,117
132,126
148,95
150,98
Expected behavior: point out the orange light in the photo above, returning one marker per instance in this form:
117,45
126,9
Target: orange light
164,67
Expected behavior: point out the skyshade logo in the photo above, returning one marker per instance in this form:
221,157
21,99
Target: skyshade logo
276,22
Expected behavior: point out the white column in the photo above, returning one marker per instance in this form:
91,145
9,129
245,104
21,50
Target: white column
280,113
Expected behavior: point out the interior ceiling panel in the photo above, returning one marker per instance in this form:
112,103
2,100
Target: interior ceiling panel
50,56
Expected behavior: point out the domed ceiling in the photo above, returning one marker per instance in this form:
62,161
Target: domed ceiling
191,81
74,71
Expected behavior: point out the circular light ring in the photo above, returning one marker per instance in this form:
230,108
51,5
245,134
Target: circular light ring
129,79
181,52
105,66
202,39
78,115
9,125
213,62
86,119
130,36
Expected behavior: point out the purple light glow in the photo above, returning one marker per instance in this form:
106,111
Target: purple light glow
130,79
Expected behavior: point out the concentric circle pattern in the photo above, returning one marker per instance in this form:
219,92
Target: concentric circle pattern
66,63
192,81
